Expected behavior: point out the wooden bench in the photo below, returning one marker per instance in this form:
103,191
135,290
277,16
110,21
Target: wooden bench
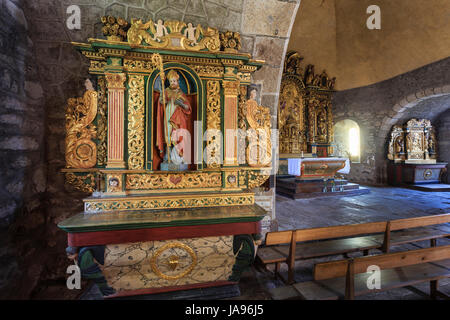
345,279
291,245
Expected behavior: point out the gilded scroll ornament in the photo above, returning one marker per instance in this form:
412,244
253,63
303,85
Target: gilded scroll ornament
97,66
139,65
115,80
396,144
242,124
183,201
312,121
138,33
84,182
81,151
136,122
230,41
102,122
259,150
115,29
213,123
257,178
174,181
173,261
208,71
173,35
330,136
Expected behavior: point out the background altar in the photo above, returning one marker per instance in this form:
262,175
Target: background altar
305,122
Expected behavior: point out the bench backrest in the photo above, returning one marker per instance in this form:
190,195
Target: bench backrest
419,221
336,269
284,237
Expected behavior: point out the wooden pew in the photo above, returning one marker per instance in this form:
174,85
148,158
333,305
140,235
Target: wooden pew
283,247
402,231
291,245
345,279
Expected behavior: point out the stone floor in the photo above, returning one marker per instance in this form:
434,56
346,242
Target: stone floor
382,203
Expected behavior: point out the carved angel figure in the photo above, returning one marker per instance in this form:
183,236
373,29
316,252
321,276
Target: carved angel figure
160,30
138,31
192,33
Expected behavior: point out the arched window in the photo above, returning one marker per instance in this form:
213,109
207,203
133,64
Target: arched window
347,140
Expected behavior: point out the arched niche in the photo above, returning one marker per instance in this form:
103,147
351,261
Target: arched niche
347,140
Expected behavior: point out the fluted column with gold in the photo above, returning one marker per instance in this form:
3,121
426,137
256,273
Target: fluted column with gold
116,90
230,123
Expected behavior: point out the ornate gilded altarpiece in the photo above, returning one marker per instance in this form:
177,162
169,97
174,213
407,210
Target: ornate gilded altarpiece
413,154
305,117
179,224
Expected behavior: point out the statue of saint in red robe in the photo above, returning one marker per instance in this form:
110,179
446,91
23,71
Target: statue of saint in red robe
173,125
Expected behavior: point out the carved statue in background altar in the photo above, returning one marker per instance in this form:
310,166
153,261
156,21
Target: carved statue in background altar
293,63
399,145
431,143
309,74
322,126
291,119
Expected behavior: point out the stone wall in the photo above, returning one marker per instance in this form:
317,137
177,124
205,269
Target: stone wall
23,167
47,71
378,107
443,136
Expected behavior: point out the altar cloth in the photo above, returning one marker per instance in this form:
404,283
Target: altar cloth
295,164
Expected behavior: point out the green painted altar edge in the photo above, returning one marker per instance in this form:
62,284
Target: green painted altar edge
95,44
109,221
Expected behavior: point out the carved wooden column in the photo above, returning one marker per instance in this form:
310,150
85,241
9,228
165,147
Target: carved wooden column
230,123
213,120
116,88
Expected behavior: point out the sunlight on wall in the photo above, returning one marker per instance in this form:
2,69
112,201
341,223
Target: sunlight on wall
353,141
347,140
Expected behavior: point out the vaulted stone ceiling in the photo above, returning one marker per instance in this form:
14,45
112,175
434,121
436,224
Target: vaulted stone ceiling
332,35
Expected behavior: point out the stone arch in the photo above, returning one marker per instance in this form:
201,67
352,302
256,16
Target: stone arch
404,109
408,103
